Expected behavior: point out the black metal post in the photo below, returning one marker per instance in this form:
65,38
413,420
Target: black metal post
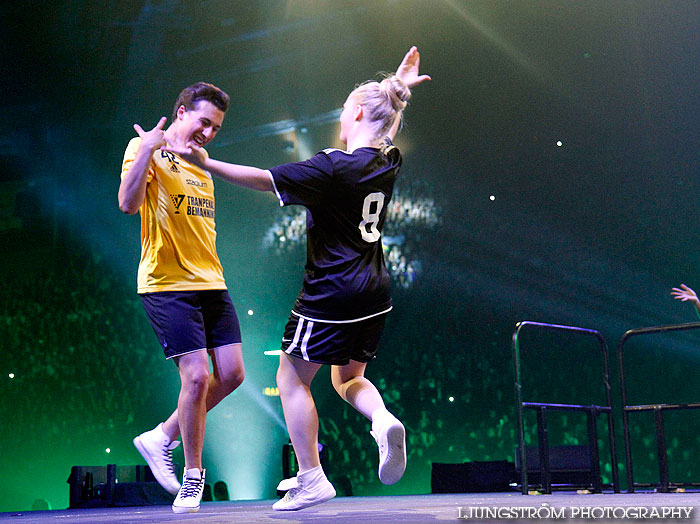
519,413
661,449
543,448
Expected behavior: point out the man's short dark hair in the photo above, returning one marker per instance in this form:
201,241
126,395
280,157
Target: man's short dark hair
201,91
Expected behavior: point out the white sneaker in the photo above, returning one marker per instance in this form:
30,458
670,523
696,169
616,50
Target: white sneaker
390,435
190,494
311,488
155,447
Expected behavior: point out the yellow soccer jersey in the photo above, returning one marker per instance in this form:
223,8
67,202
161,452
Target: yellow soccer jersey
178,235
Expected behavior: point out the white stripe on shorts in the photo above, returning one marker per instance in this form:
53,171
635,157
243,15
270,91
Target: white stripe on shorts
295,340
305,341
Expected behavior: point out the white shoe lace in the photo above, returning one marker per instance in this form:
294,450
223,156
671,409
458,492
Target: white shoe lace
294,490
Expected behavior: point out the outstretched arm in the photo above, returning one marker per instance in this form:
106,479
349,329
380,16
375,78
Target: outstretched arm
686,294
244,176
408,73
408,69
132,189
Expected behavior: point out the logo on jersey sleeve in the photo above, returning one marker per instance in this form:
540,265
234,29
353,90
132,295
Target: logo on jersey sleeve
177,201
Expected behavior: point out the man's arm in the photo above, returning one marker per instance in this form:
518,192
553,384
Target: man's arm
132,189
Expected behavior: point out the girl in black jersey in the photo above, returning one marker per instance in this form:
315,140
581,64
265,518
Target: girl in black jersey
339,314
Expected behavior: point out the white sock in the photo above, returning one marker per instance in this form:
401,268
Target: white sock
194,473
312,471
380,413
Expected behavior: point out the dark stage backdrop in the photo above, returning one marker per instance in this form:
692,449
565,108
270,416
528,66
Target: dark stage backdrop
550,173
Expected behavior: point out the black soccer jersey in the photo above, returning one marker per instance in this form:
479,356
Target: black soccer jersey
346,196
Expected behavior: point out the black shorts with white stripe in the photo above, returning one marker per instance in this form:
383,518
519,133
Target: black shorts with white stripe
333,343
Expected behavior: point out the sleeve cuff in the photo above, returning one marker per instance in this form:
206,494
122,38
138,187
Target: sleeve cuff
274,187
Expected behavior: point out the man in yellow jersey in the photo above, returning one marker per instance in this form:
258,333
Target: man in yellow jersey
181,282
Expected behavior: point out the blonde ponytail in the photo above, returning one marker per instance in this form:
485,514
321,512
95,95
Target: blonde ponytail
383,102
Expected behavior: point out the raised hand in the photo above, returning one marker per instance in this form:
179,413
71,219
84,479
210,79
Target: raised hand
684,293
408,70
154,138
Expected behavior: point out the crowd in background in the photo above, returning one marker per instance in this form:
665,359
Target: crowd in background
411,215
76,343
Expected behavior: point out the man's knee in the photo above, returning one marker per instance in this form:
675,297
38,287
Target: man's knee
228,366
197,379
233,380
194,374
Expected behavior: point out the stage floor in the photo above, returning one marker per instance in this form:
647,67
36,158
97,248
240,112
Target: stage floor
416,509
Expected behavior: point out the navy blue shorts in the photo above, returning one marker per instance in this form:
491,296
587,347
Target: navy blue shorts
188,321
333,343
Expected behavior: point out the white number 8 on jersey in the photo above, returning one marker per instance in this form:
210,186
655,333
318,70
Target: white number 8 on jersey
371,218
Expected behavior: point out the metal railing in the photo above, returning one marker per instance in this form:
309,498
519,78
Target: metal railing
542,408
657,409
